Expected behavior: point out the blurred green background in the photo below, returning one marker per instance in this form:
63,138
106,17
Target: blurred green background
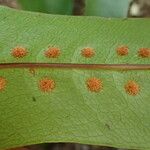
104,8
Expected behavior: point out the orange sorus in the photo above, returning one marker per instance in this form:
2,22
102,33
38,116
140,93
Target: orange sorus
144,52
132,88
52,52
2,83
94,84
88,52
19,52
122,50
46,84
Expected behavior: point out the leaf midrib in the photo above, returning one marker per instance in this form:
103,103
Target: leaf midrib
77,66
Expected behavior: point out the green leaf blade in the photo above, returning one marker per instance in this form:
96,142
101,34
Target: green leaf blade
71,113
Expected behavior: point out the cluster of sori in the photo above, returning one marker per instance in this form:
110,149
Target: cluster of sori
88,52
93,84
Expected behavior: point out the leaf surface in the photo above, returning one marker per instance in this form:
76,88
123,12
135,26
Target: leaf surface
70,112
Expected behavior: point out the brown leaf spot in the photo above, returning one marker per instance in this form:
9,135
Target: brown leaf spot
94,84
33,99
19,52
144,52
2,83
88,52
132,88
46,84
52,52
122,50
32,71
